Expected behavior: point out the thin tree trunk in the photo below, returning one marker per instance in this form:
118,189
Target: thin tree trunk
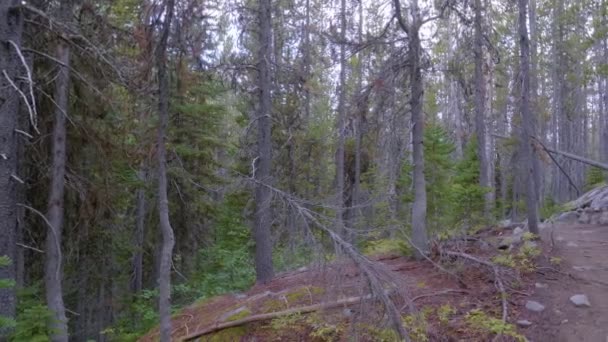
340,124
359,124
262,234
140,225
526,115
168,238
11,26
538,181
480,104
55,212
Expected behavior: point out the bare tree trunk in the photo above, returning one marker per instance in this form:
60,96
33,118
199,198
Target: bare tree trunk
11,26
526,115
55,211
538,181
307,63
419,236
604,92
140,226
168,238
480,104
340,124
359,123
262,234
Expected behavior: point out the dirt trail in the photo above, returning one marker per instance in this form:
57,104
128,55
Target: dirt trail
583,253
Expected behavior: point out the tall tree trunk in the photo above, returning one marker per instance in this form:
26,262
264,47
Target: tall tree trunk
359,123
534,105
340,124
307,62
526,118
11,26
55,212
480,105
558,95
604,92
168,238
419,235
262,233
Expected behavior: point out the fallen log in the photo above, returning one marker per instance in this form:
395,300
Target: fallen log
272,315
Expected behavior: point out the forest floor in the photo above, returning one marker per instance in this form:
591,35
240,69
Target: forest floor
582,254
574,260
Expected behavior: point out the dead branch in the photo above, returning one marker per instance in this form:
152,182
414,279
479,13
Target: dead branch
375,274
577,158
273,315
497,278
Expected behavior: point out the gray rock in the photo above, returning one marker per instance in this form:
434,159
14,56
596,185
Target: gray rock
571,244
600,200
604,218
585,218
530,244
567,217
541,286
580,300
518,231
534,306
582,268
524,323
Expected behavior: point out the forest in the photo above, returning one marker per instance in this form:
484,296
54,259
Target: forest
160,153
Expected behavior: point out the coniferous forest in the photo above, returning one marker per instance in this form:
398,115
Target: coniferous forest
160,153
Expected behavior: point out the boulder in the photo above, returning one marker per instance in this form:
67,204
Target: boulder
600,200
567,217
585,218
603,218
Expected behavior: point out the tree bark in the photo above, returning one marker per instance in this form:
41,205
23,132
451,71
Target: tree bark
11,26
538,181
53,270
340,124
140,226
168,238
526,118
419,233
358,125
262,233
480,115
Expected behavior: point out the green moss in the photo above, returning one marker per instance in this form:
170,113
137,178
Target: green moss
228,335
376,334
238,315
272,305
481,322
304,293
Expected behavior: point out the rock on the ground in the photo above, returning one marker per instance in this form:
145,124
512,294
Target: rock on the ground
567,217
524,323
585,218
571,244
541,286
600,200
518,231
582,268
534,306
580,300
604,218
